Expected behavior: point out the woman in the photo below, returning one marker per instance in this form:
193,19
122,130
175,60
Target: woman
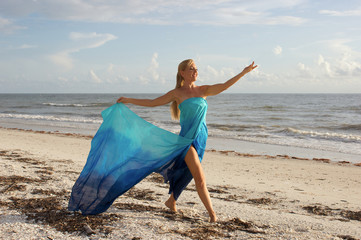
128,155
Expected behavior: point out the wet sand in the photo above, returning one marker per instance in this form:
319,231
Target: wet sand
255,196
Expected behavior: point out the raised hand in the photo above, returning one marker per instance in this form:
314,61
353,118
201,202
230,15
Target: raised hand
249,68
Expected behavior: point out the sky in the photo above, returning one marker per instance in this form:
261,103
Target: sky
134,46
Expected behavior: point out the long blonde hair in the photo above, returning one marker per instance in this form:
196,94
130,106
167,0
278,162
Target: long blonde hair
174,110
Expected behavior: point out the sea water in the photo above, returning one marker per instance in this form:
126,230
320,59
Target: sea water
302,125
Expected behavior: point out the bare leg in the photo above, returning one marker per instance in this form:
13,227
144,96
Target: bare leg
171,203
196,169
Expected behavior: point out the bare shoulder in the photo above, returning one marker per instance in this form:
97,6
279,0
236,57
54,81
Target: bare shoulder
203,90
164,99
176,94
171,95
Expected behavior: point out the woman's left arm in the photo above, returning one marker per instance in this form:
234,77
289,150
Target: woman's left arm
215,89
162,100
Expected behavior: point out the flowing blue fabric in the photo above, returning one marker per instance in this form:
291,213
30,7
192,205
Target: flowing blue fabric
126,149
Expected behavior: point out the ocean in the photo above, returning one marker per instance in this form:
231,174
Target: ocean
300,125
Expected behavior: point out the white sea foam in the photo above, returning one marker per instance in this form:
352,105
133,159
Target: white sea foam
50,118
325,135
65,104
79,105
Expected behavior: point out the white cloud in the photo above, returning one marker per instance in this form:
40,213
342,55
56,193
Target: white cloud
110,68
63,79
304,71
211,75
123,78
154,65
174,12
302,67
90,40
93,39
144,80
152,73
324,66
339,67
27,46
4,22
258,75
62,59
283,20
349,13
7,26
94,77
23,46
343,62
79,36
213,72
234,15
114,74
346,66
333,59
84,41
341,47
277,50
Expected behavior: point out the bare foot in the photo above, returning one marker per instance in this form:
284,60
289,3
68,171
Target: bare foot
171,204
212,218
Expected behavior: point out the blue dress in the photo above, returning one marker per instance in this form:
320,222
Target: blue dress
126,149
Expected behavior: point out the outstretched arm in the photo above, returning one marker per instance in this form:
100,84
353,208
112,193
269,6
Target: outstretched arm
215,89
162,100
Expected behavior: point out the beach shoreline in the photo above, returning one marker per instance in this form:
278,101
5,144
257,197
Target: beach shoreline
264,149
255,196
305,126
228,146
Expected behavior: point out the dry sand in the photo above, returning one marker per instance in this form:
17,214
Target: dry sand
255,197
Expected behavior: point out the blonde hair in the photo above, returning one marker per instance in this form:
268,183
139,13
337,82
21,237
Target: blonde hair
174,110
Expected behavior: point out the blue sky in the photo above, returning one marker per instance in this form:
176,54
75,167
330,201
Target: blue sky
127,46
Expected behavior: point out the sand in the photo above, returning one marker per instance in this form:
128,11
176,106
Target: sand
255,197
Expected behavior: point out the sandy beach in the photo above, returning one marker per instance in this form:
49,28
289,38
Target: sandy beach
255,197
